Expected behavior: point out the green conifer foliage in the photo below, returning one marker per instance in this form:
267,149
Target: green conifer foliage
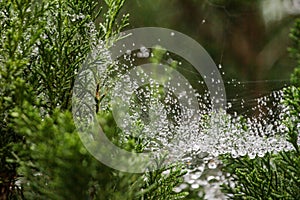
274,176
43,44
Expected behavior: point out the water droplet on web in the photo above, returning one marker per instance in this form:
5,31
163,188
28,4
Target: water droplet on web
212,165
195,186
252,155
128,52
177,189
183,186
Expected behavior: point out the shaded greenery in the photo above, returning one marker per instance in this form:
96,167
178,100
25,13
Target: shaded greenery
275,176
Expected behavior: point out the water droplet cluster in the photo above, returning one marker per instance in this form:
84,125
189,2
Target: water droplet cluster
169,122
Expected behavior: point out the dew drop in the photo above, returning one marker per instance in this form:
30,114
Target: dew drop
212,165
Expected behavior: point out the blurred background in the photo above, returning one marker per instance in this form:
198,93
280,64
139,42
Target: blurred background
248,39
